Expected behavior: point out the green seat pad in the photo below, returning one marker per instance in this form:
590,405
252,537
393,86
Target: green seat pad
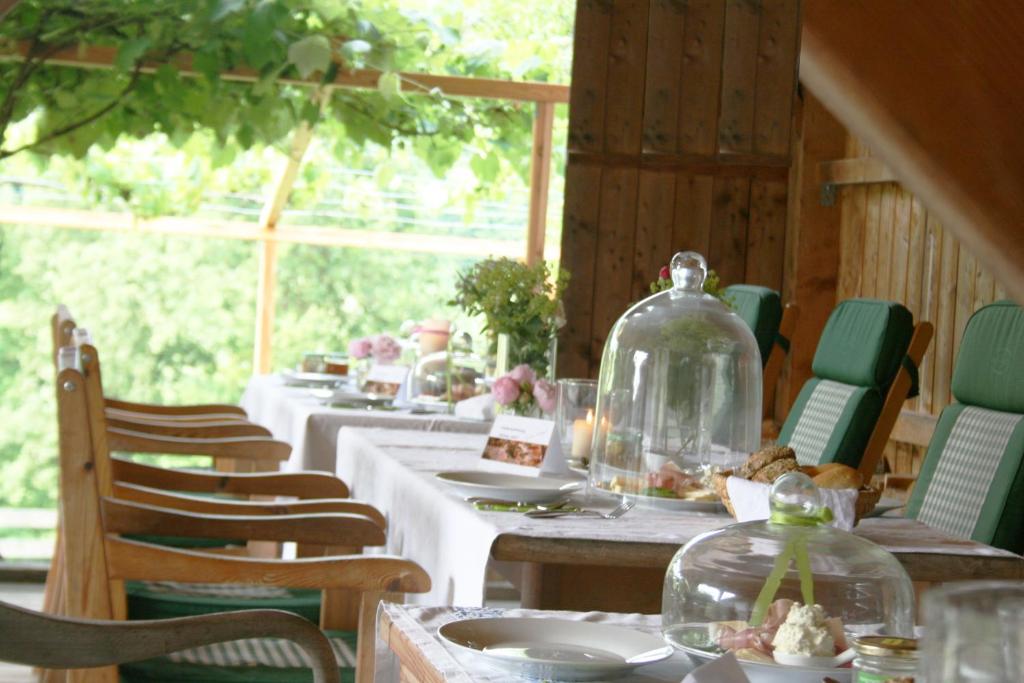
989,370
831,422
255,660
971,483
166,599
863,343
761,309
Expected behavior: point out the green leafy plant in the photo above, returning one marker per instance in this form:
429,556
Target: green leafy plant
519,300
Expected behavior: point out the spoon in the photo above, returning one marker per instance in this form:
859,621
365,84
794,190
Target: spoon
624,507
815,662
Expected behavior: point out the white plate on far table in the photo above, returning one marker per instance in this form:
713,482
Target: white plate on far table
557,649
512,487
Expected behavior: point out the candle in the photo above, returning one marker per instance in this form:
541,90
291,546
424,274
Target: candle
582,433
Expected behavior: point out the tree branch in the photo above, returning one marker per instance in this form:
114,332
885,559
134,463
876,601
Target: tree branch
71,127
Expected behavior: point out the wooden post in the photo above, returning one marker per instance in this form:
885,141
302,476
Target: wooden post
540,181
812,243
277,198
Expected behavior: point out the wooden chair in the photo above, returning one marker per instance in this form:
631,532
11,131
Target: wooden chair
865,367
971,482
63,332
773,325
99,559
59,643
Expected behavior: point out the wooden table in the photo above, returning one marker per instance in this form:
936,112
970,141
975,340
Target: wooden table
614,565
418,655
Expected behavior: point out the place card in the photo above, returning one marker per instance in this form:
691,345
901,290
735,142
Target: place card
725,669
385,380
525,445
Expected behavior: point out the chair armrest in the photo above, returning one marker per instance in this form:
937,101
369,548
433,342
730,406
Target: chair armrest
151,496
155,409
125,517
190,429
256,448
53,642
297,484
135,560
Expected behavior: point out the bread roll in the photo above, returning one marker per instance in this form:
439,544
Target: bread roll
838,476
775,469
810,470
763,458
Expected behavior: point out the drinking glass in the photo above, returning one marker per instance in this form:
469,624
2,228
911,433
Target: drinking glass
974,631
574,418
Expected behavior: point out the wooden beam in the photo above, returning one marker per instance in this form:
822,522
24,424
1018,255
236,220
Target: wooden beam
862,171
914,428
540,181
102,57
277,199
126,223
934,90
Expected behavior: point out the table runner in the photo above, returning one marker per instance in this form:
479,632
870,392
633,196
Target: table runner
293,415
418,626
429,523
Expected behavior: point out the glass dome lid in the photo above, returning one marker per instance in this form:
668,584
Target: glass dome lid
789,585
447,377
679,394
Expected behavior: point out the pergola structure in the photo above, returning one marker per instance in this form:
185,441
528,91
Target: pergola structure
544,96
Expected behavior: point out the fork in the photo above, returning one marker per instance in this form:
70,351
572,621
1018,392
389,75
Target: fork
624,507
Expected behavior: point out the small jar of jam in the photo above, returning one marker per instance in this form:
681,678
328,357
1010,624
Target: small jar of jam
885,659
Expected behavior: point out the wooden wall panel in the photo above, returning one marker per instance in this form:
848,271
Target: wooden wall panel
909,257
681,111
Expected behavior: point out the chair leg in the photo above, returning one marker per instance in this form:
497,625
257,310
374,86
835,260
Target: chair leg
366,647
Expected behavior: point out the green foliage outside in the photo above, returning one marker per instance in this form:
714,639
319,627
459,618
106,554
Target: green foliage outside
174,317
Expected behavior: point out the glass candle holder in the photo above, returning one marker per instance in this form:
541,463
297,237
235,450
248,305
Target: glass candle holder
974,631
574,418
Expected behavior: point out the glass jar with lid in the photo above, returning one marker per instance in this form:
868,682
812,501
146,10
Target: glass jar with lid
790,584
447,377
679,394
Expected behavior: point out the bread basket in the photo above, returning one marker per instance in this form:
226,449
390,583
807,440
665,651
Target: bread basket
867,496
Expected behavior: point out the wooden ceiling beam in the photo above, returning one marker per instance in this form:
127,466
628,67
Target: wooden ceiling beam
102,57
933,88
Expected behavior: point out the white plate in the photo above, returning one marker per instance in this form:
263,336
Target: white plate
555,648
516,487
293,378
764,672
679,504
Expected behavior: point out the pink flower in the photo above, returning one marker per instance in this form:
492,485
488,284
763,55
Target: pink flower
360,348
505,390
545,393
385,349
664,273
523,374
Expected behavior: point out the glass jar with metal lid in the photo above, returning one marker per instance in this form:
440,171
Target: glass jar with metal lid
885,659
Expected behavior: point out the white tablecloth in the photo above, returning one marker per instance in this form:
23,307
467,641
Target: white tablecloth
419,626
293,415
429,523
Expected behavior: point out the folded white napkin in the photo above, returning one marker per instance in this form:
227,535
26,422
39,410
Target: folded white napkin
750,501
476,408
725,669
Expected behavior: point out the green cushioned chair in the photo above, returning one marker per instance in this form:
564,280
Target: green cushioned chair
971,482
865,344
255,660
772,325
761,310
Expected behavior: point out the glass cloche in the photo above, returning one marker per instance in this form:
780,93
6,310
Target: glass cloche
679,394
787,585
447,377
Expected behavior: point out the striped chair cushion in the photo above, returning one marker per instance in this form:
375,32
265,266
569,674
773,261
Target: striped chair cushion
818,420
166,599
963,475
255,660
